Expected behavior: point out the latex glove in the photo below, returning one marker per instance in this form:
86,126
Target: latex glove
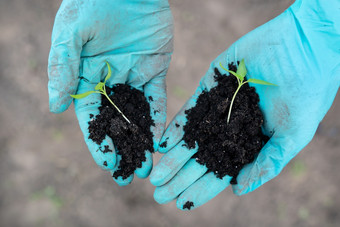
299,51
134,37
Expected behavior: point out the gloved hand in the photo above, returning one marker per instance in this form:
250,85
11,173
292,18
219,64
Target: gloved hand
300,52
134,37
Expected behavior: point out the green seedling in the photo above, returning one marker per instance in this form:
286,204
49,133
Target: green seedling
100,89
240,74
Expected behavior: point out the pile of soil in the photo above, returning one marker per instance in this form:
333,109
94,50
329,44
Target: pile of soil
131,140
224,148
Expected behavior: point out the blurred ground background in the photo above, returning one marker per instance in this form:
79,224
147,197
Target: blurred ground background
49,178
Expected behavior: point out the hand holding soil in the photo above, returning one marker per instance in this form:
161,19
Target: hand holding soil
138,46
132,137
291,112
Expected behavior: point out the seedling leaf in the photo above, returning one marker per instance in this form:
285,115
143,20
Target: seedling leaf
235,74
108,73
223,67
99,86
80,96
257,81
241,69
232,72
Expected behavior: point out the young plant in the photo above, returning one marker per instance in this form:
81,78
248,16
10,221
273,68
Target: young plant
100,88
240,74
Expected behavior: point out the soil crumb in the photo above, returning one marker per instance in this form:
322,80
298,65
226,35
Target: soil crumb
188,205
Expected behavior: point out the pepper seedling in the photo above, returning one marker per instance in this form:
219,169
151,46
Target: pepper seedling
100,89
240,74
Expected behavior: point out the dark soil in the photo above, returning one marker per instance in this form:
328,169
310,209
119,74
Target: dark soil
130,140
188,205
225,148
164,144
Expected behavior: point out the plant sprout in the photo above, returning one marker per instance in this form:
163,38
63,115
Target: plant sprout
100,89
240,74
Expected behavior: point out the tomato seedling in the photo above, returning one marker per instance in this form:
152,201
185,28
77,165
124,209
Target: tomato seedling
240,74
100,89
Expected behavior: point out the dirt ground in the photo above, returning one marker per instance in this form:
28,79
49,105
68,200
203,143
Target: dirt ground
48,177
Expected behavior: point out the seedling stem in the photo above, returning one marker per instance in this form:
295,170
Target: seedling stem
105,94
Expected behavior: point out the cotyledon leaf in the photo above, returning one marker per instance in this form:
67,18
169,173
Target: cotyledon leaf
257,81
83,95
108,73
232,72
235,74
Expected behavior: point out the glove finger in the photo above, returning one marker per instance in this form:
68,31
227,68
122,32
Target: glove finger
104,154
171,163
123,182
146,168
190,172
63,62
203,190
155,93
269,163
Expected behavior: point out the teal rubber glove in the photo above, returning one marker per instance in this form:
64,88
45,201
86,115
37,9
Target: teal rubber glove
134,37
299,51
